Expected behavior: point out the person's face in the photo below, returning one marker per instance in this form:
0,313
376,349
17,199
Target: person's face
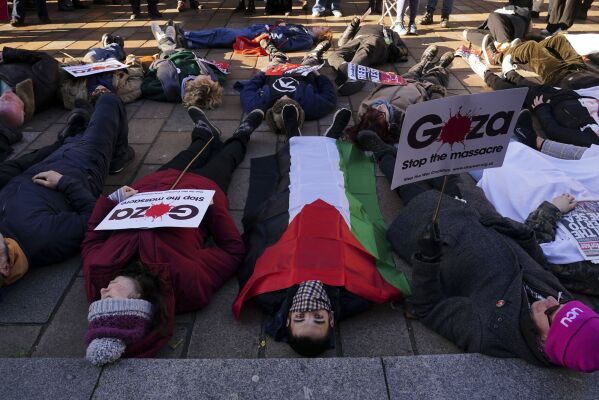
312,324
384,110
539,317
12,109
121,287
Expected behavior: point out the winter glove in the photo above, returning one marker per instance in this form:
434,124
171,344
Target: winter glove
429,244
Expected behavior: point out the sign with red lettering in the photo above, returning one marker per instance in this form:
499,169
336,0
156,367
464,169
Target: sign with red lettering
292,69
582,225
181,208
94,68
357,72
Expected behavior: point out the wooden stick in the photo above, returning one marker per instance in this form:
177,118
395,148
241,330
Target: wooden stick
436,214
191,162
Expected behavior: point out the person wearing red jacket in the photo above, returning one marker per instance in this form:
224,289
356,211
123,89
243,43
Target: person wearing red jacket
186,270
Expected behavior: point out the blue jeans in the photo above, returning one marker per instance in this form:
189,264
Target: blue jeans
401,10
321,5
220,37
445,11
18,9
112,51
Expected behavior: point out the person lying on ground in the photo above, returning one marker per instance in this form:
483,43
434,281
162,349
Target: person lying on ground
314,93
312,259
45,209
384,108
188,268
480,279
368,45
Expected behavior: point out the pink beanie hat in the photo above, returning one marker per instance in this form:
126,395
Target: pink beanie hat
573,340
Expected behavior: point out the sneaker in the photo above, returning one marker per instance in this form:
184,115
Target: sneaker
200,120
412,30
400,29
427,18
515,43
17,22
106,39
316,14
524,132
340,121
370,141
249,125
290,116
477,65
180,6
507,65
337,14
120,162
465,35
446,59
445,22
135,16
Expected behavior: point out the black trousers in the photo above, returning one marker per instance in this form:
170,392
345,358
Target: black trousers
364,50
152,6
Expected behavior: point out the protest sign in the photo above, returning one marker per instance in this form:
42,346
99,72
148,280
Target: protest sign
582,224
222,66
182,208
292,69
95,68
357,72
456,134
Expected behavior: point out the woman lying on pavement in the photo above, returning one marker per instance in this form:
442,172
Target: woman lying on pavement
179,261
480,279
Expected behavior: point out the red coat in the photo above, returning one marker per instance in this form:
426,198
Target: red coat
189,272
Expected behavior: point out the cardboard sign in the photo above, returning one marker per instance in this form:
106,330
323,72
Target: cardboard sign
182,208
582,224
456,134
292,69
94,68
357,72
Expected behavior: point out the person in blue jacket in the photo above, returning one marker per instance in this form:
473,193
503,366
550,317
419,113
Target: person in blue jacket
315,93
286,37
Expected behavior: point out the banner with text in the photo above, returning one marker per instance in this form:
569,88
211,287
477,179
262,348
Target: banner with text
456,134
357,72
95,68
292,69
582,224
182,208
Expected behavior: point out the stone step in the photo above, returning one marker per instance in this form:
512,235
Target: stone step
458,376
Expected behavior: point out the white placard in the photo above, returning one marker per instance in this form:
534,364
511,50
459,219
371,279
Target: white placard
582,225
181,208
95,68
456,134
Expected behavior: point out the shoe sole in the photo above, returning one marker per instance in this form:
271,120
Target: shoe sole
326,134
213,128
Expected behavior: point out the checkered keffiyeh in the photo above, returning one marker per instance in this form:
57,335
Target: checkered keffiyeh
310,296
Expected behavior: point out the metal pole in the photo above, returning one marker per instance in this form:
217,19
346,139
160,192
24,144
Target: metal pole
436,214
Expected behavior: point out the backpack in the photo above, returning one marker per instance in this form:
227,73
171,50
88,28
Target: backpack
278,6
565,106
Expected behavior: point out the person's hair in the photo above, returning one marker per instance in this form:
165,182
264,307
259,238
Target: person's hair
308,347
203,92
372,120
148,285
322,33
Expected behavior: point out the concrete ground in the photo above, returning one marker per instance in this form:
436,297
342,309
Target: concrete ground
380,354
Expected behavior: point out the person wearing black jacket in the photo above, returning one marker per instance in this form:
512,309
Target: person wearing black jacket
44,210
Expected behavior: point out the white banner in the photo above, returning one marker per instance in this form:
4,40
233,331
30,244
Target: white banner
582,225
181,208
96,68
456,134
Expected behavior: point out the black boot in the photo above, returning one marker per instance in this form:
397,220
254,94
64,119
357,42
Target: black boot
249,125
427,57
200,120
240,7
320,49
340,121
78,119
370,141
446,59
290,115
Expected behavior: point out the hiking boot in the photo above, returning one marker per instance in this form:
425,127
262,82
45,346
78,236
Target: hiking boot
290,116
120,162
249,125
320,49
340,121
429,53
446,59
524,131
370,141
201,122
427,18
444,22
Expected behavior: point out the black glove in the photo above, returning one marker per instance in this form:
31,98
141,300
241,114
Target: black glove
429,244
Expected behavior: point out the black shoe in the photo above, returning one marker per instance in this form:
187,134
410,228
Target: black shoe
106,39
446,59
370,141
249,125
118,40
101,2
120,162
290,115
200,120
429,54
181,41
320,49
427,18
350,87
340,121
534,14
524,131
78,119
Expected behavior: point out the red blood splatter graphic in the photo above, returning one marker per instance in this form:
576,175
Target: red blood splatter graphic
455,129
157,210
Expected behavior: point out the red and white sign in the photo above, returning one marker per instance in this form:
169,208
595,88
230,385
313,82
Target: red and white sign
94,68
292,69
357,72
221,65
181,208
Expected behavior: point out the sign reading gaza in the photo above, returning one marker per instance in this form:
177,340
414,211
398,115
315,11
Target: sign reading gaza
182,208
456,134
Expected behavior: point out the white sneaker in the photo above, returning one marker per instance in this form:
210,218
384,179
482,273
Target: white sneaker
337,13
477,65
413,30
507,65
400,29
316,14
465,34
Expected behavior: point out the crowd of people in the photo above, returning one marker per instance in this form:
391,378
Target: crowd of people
493,274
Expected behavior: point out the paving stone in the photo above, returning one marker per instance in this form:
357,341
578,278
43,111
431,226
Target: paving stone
177,344
17,340
144,130
238,189
65,335
261,144
430,342
337,378
33,379
145,170
217,334
154,109
21,147
389,202
168,145
44,119
33,298
229,109
474,376
178,121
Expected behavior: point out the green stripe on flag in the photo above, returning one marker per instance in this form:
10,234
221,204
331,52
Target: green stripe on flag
367,222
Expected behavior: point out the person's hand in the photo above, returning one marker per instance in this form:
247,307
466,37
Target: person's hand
564,202
429,244
47,179
538,100
122,194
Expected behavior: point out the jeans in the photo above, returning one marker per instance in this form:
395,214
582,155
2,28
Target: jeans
220,37
445,10
321,5
112,51
401,10
18,9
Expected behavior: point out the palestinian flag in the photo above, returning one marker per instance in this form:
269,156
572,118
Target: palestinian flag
323,202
